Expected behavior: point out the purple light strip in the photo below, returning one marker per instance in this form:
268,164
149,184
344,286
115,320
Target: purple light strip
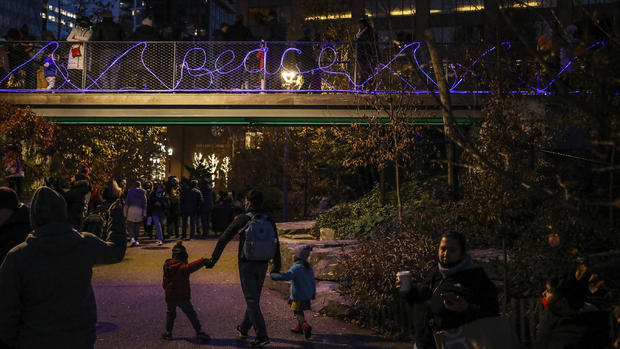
194,69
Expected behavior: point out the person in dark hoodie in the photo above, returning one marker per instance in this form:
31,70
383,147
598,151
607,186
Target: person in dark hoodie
14,221
569,322
46,298
452,294
178,294
251,273
78,197
191,200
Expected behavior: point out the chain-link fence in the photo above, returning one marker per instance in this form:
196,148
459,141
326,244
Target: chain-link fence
236,67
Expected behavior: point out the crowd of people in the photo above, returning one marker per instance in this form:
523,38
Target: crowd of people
48,251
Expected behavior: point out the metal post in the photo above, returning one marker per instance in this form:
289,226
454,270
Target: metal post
85,57
285,174
174,65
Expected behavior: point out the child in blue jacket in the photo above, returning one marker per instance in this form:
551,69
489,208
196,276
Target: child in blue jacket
303,288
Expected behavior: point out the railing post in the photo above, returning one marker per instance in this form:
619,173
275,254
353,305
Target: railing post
174,65
86,55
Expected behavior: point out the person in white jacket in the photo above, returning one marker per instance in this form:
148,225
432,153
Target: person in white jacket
135,211
77,54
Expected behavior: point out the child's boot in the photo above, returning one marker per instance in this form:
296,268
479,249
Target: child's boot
297,329
307,330
203,336
167,336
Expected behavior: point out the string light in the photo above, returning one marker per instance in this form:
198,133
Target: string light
328,60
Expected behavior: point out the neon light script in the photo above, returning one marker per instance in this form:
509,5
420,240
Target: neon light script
241,67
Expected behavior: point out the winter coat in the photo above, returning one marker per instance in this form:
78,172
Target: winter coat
49,67
145,33
303,283
135,205
46,298
176,279
108,30
207,198
157,205
430,315
588,329
77,199
191,200
78,34
222,215
14,231
236,227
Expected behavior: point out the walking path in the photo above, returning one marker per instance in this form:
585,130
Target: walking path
131,307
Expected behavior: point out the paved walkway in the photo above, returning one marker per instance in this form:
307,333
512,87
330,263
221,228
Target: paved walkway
131,307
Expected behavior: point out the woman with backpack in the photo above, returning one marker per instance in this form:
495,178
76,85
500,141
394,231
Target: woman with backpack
258,243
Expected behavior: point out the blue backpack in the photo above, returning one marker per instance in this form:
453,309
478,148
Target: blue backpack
261,241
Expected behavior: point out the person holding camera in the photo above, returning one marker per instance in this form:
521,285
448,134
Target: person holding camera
452,294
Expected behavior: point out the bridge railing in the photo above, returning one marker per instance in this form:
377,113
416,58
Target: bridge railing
242,67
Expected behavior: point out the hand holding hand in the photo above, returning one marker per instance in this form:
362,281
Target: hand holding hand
208,263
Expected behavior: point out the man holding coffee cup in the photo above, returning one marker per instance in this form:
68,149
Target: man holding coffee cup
452,294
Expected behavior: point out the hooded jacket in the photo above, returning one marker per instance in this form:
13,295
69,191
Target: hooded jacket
46,298
136,205
176,279
303,283
14,231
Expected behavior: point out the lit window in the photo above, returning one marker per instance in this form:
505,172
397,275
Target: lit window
52,18
70,25
62,21
43,15
51,7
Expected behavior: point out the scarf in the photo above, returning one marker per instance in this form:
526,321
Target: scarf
464,264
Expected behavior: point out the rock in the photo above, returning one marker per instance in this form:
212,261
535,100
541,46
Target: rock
327,234
324,257
298,237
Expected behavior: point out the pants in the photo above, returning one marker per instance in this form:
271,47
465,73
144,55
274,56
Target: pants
205,217
192,224
133,228
172,222
188,309
51,82
17,184
252,275
158,223
148,229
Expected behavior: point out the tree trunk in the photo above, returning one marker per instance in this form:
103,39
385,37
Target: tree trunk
444,96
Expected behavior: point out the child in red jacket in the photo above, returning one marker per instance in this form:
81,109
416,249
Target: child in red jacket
176,284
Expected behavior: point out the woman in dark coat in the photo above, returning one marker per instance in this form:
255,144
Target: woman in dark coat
452,294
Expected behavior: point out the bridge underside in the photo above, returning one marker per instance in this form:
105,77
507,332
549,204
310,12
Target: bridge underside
231,109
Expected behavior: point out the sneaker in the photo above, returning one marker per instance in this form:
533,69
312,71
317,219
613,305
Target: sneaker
159,242
134,242
307,330
203,336
167,336
297,329
260,342
242,334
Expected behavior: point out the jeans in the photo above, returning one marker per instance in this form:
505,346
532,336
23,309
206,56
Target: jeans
188,309
192,224
252,275
157,222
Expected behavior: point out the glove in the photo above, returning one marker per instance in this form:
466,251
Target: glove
208,263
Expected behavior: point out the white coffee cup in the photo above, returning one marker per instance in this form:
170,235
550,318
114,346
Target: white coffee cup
405,280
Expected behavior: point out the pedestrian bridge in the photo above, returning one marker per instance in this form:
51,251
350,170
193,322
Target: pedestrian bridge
278,83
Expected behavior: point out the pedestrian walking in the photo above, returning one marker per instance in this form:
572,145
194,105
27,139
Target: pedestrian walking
50,69
135,211
46,298
157,206
177,288
191,200
258,244
303,288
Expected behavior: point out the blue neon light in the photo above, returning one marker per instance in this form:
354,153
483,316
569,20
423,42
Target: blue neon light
196,72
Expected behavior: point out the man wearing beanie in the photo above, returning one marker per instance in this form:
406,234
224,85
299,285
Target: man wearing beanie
14,221
46,298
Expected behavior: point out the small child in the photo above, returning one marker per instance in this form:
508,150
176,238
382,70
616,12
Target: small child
50,69
303,288
176,284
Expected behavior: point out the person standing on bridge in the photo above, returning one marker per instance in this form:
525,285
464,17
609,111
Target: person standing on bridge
252,267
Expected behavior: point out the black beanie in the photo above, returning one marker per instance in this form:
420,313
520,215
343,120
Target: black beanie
178,251
8,198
